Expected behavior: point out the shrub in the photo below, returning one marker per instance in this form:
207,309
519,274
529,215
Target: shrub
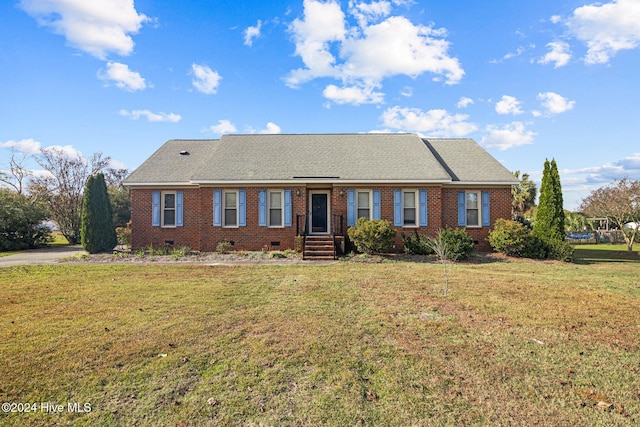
560,250
180,252
535,247
514,239
223,247
21,222
124,235
458,242
416,244
372,236
509,237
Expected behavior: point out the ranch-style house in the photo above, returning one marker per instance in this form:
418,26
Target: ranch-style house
262,191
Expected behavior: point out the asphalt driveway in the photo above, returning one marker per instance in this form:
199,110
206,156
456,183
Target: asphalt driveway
40,256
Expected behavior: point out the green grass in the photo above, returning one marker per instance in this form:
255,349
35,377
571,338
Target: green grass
58,239
514,343
9,253
605,252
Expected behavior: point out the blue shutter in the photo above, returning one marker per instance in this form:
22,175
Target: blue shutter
486,220
376,204
179,209
217,208
462,209
155,211
397,208
288,212
262,208
242,208
423,208
351,208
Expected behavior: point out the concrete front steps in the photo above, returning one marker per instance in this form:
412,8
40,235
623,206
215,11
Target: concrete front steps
319,248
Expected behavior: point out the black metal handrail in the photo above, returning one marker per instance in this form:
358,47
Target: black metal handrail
337,225
301,231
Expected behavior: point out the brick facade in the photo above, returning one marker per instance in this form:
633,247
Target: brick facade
199,233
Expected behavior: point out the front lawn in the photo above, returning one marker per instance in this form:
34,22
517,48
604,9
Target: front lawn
514,343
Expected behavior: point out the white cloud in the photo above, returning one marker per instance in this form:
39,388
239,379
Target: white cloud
625,167
323,23
507,136
205,79
353,95
432,122
559,54
606,28
25,146
508,105
464,102
367,12
519,51
363,55
95,27
252,33
578,183
68,150
407,91
554,103
223,126
123,77
271,128
397,47
152,117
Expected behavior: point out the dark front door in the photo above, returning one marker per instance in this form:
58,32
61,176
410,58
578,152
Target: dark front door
319,213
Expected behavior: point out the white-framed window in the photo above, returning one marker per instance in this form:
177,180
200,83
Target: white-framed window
168,209
230,208
473,208
363,204
409,208
275,208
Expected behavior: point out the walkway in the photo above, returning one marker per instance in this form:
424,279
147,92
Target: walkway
49,255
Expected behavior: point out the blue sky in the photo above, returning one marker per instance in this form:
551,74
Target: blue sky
527,79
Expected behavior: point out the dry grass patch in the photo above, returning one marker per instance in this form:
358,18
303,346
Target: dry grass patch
514,343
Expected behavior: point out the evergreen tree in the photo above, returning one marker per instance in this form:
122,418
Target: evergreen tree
97,231
558,218
549,223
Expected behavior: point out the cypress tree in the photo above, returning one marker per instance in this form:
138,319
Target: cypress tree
558,220
97,231
549,224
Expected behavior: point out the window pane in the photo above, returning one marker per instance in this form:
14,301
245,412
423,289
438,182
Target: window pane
170,200
363,200
409,216
472,200
275,200
363,213
275,217
410,199
472,217
230,200
169,217
230,217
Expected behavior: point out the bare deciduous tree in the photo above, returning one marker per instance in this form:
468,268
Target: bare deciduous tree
620,202
63,186
17,176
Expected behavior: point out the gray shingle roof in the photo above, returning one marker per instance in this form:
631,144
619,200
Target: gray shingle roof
466,161
327,157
